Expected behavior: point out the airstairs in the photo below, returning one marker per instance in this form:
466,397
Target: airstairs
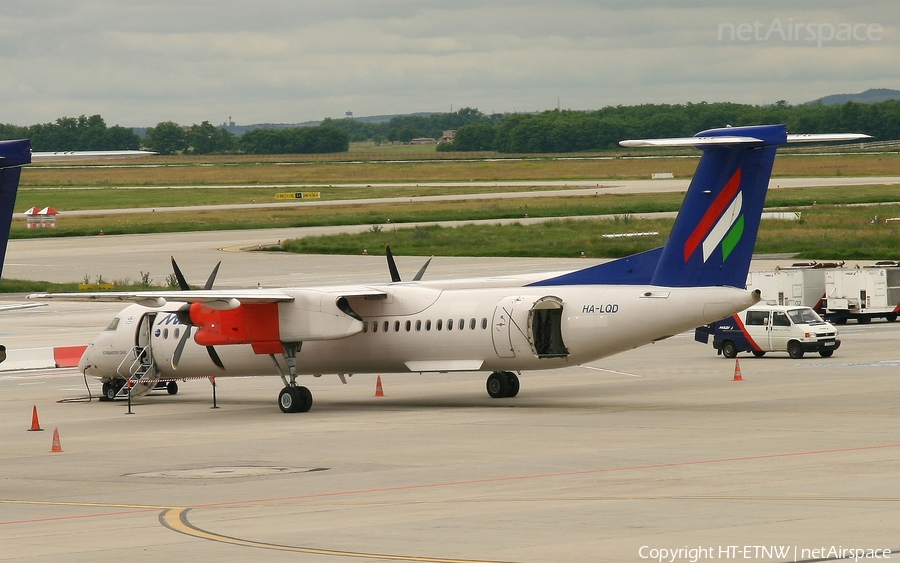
138,370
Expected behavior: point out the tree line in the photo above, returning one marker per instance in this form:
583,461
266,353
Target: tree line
572,131
74,133
546,132
91,133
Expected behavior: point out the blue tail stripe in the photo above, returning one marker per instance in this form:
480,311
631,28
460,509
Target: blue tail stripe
636,269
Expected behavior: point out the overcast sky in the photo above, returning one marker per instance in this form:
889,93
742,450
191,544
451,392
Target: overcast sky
139,63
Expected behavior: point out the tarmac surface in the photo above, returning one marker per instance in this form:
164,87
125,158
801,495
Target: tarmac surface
654,449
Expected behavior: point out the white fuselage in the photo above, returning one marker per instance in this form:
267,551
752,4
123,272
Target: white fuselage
457,325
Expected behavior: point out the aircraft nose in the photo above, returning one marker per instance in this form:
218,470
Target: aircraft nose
86,359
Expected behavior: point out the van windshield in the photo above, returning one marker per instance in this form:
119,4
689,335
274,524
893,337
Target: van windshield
805,316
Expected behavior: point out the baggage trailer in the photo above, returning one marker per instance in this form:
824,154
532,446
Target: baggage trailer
799,285
863,294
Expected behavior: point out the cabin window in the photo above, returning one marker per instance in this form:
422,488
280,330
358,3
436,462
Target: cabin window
484,324
408,326
386,326
375,327
440,323
165,333
462,324
428,324
365,326
396,326
418,326
472,323
449,324
177,332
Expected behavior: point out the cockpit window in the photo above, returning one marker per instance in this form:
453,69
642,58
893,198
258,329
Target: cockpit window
114,324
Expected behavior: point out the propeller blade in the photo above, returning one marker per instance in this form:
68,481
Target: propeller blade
215,357
184,316
212,277
182,283
176,357
421,271
392,266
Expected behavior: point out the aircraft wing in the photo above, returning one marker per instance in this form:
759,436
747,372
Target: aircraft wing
215,298
4,307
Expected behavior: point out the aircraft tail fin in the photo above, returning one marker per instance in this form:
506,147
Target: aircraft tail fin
713,237
13,155
714,234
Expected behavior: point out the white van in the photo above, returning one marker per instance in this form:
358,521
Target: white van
771,328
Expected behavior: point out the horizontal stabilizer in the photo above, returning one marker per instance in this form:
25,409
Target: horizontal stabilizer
823,137
690,141
734,140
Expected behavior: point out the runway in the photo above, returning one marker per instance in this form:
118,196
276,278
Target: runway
561,188
656,448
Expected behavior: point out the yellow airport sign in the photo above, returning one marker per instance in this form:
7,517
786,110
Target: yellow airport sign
298,195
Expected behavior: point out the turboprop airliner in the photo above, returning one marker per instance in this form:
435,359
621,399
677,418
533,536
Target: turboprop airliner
504,326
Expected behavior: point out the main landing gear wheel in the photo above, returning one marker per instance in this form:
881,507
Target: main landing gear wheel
513,381
171,388
498,385
295,399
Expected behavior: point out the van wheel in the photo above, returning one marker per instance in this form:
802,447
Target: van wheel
863,320
729,350
840,321
794,350
826,353
759,353
891,317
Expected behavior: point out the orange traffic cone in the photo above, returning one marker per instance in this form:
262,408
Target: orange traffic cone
737,371
35,425
379,390
56,447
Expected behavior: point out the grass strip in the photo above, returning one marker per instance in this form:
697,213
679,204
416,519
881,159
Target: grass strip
601,204
824,233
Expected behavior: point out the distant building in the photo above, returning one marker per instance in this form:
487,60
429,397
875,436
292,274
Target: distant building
423,141
447,137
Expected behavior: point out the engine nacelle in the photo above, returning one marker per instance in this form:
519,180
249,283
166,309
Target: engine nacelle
317,315
250,323
312,315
